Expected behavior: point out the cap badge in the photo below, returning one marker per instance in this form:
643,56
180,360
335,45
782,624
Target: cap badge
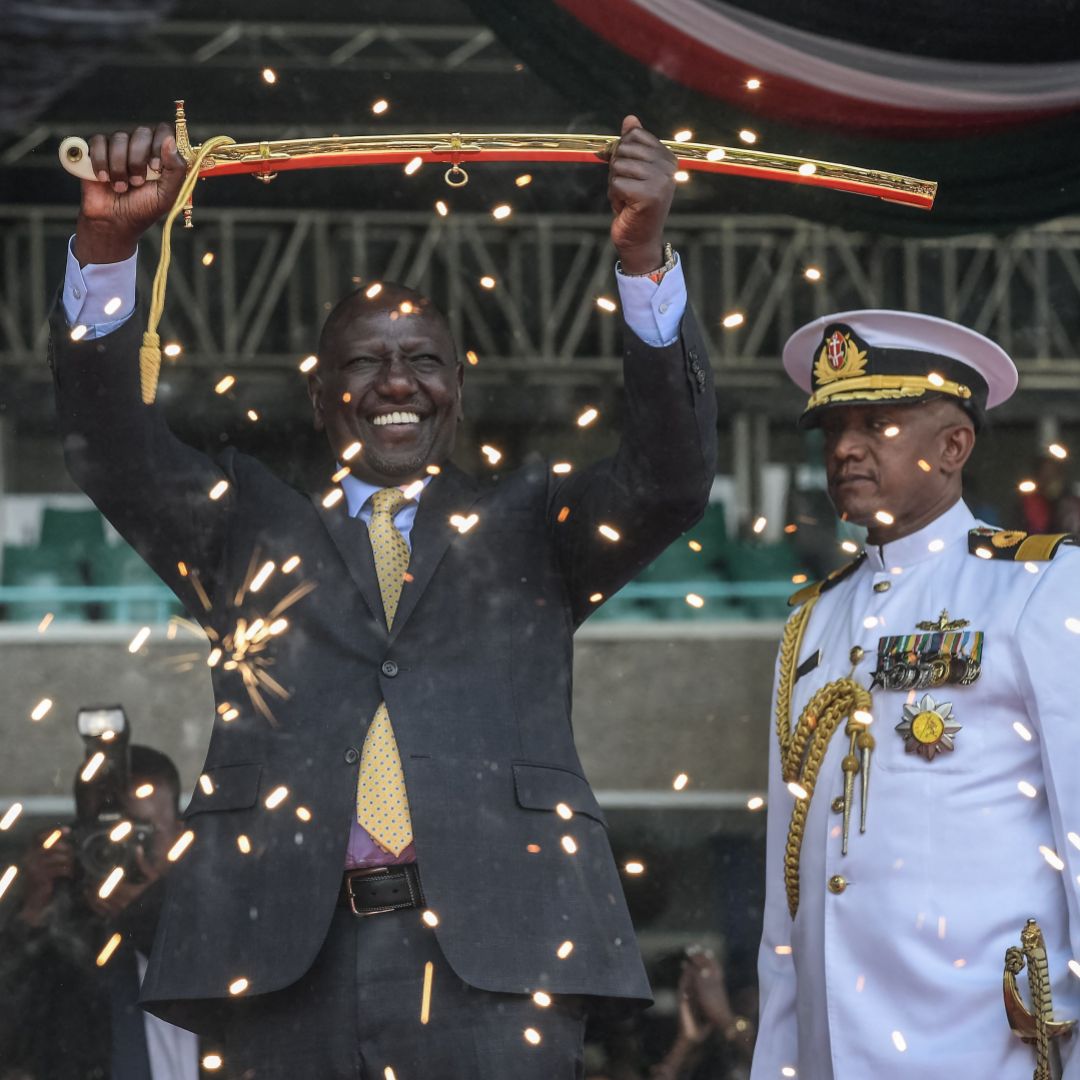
840,358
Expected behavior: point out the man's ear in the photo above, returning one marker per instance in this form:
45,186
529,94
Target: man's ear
314,385
957,443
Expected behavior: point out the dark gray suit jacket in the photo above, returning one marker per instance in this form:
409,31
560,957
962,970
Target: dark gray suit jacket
476,674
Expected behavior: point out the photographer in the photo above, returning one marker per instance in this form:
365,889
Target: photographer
72,1008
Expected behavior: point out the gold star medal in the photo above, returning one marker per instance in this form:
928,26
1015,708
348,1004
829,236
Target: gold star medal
927,727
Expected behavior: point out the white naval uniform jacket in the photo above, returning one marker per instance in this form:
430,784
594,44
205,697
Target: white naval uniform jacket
899,975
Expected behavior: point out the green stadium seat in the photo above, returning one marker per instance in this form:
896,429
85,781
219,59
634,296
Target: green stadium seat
120,565
763,562
41,568
74,531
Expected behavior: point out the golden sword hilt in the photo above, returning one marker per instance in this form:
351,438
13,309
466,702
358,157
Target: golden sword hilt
265,160
1036,1025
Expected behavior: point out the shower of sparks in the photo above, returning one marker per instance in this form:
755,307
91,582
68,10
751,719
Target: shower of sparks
569,845
260,579
587,417
45,622
807,168
608,533
139,640
899,1041
212,1062
634,867
755,802
501,212
797,790
1058,451
759,525
680,781
533,849
788,1071
119,832
380,106
1022,731
181,845
413,165
471,356
812,273
276,797
596,597
685,135
753,84
605,303
736,318
331,498
340,474
494,456
144,791
441,208
564,811
11,815
373,290
748,136
532,1036
290,564
694,545
238,986
430,919
1074,966
935,379
110,883
350,451
79,332
524,180
269,76
108,950
884,517
389,1074
694,600
542,999
798,579
41,708
425,1000
463,524
717,153
213,657
91,767
219,489
1073,624
225,384
1027,486
564,950
1074,839
681,176
206,784
1027,789
252,415
561,468
113,306
936,545
782,950
487,281
244,844
891,431
208,258
849,546
173,350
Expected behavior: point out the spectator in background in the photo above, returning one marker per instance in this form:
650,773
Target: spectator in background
67,1016
1051,507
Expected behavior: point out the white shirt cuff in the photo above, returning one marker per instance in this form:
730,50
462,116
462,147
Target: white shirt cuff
99,296
654,312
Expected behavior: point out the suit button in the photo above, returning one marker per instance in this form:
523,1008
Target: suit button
389,668
692,354
837,884
352,756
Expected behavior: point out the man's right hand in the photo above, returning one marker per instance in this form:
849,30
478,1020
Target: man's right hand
122,204
43,868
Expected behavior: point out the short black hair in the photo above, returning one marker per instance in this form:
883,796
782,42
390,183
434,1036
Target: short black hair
152,765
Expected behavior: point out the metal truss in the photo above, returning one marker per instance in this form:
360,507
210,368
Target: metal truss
259,303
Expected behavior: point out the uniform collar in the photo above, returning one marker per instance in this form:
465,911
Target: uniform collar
357,492
944,531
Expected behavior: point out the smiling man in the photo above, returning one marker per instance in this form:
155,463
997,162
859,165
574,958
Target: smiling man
398,867
923,781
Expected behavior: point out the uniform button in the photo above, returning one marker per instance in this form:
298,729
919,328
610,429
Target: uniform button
838,804
882,586
837,884
856,654
389,668
663,309
352,756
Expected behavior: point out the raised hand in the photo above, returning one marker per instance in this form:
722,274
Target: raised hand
641,185
121,205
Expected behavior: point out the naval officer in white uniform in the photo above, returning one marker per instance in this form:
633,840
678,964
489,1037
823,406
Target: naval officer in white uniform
927,718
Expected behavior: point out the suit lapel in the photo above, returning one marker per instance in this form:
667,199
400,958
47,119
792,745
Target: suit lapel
350,537
451,492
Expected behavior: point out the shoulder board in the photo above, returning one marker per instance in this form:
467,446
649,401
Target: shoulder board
812,592
1015,546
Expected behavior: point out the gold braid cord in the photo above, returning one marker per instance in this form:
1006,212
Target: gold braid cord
802,748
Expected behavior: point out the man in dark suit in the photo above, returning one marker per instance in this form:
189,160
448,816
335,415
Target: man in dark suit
398,867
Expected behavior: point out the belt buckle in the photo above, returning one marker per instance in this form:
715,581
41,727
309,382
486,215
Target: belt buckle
373,871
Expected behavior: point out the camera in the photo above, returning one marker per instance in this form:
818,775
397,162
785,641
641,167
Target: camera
104,836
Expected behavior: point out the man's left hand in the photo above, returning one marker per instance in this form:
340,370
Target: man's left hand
127,892
641,185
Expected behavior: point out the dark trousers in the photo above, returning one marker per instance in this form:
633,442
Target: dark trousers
356,1015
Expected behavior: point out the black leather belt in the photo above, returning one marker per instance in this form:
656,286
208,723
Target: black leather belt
378,889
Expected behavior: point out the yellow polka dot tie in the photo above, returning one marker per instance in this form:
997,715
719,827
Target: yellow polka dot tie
382,804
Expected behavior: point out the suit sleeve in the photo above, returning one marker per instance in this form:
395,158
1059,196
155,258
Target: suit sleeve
152,487
657,484
777,1044
1049,649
